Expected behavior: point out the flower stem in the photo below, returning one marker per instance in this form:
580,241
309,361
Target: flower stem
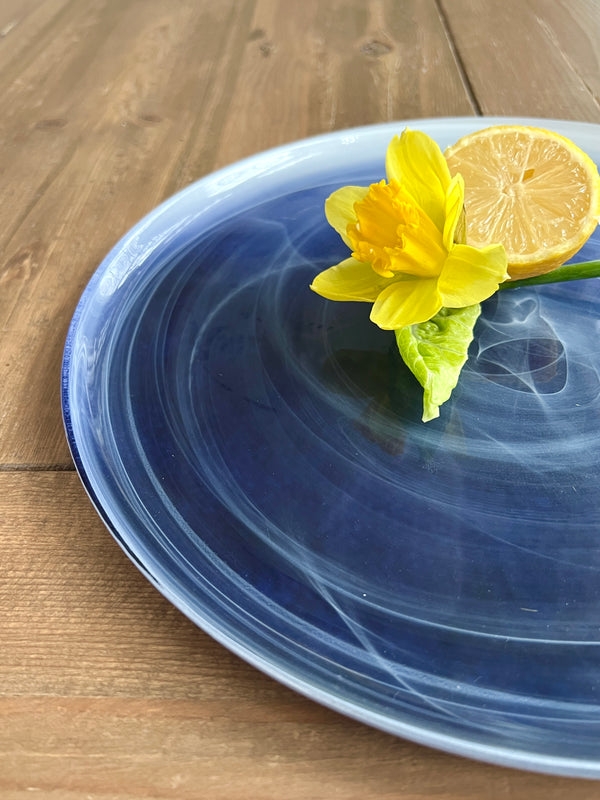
568,272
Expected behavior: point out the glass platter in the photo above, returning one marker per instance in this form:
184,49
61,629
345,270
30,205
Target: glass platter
258,452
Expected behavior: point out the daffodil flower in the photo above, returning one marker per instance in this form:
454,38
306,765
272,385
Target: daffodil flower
403,234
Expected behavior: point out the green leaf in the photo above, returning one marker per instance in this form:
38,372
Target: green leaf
435,352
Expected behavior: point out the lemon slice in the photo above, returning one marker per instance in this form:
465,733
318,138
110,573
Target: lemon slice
529,189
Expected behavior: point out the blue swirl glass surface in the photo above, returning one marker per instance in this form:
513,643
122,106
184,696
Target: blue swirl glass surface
258,452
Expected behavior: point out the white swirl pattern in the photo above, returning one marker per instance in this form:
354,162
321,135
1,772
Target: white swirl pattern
258,452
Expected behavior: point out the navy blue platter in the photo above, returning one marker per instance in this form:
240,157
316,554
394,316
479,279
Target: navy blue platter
258,452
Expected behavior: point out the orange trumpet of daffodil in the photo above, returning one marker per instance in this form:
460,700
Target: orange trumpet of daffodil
405,258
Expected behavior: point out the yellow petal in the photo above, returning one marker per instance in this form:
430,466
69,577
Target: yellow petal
406,302
423,254
417,162
471,275
455,200
339,208
349,280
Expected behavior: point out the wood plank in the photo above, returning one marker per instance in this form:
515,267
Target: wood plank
311,67
98,748
107,691
76,612
537,58
102,106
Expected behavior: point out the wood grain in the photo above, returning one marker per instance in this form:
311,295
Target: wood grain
312,67
108,691
530,58
104,103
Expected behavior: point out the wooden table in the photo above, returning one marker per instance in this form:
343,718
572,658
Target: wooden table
108,107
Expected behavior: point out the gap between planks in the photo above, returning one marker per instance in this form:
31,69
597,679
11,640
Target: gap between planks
464,75
37,467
